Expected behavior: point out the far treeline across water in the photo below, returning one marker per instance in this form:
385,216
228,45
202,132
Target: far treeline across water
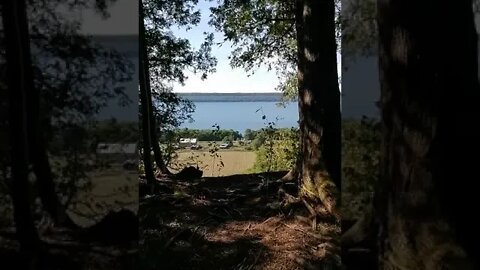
233,97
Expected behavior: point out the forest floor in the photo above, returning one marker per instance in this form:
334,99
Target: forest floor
231,222
101,241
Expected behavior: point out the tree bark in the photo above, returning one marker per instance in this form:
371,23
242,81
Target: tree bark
38,156
145,114
429,89
19,86
157,153
317,87
151,117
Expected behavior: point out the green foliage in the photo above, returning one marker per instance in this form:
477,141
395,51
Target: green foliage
113,131
249,134
170,112
208,135
360,162
279,152
213,150
360,154
258,141
76,77
358,25
63,63
262,32
228,138
169,57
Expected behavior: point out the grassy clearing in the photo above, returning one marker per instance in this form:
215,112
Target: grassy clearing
236,146
235,162
112,189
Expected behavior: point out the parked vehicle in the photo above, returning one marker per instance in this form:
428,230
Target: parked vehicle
195,147
225,145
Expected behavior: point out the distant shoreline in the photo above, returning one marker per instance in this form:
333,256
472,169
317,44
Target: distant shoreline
228,93
232,97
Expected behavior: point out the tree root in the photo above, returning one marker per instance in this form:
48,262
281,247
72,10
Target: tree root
319,188
291,176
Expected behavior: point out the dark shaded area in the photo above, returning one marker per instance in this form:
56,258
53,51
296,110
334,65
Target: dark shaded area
227,222
191,250
109,244
51,69
361,255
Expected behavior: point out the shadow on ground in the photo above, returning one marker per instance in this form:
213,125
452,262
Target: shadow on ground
233,222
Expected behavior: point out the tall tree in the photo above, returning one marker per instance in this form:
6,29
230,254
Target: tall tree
74,76
429,90
284,35
166,58
145,103
319,99
20,85
154,142
55,71
61,63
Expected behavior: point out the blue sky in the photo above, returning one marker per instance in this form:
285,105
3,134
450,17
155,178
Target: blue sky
225,79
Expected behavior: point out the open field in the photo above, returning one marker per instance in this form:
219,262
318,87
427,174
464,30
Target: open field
112,189
236,146
235,162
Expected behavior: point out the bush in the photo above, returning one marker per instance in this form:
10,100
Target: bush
360,163
279,152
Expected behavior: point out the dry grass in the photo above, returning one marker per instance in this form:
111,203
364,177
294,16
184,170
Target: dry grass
235,162
112,189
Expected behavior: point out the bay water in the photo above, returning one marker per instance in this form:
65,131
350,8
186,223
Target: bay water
240,111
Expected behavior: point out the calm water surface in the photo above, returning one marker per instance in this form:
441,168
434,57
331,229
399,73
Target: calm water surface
242,115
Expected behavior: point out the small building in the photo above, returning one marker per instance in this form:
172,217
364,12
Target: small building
187,142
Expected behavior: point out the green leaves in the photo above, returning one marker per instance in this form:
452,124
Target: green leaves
170,56
360,154
261,31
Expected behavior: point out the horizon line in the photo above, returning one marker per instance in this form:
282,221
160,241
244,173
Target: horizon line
226,92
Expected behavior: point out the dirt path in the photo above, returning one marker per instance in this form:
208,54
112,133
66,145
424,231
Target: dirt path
229,223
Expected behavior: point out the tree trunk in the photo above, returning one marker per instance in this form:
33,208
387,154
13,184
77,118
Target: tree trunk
429,89
19,76
151,117
317,82
38,156
153,132
145,114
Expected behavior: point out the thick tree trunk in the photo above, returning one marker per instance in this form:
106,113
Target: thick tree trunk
429,89
19,76
317,76
145,114
38,156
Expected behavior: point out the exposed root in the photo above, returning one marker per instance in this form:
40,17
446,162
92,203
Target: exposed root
287,198
291,176
321,188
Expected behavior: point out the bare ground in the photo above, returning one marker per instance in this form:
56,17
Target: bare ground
113,190
231,223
